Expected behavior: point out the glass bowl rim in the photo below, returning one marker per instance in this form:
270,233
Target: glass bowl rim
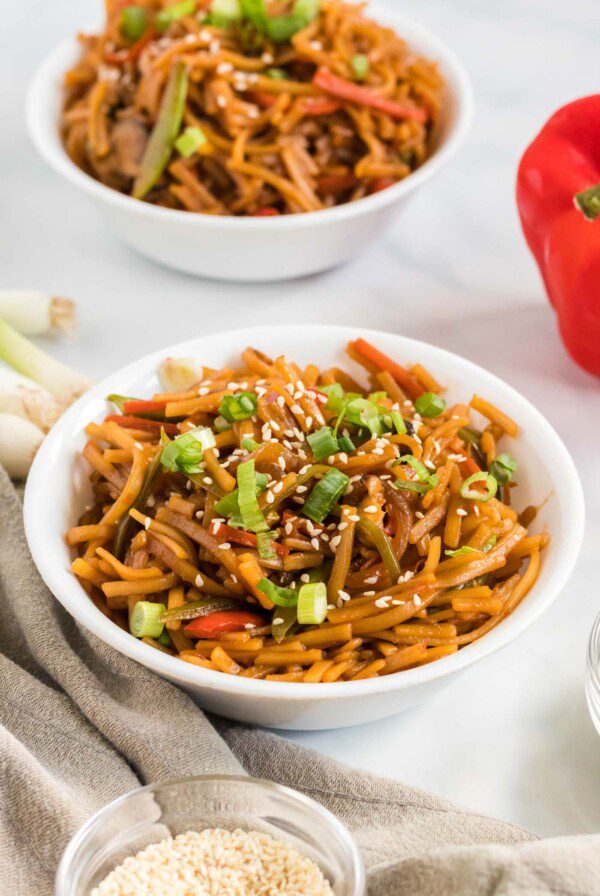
297,796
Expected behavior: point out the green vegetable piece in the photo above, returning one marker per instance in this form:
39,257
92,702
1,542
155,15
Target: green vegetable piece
465,549
249,444
429,405
190,142
185,453
127,523
172,13
160,145
254,11
264,543
322,442
240,406
165,638
335,401
196,608
346,444
360,66
284,622
307,10
502,468
144,621
419,467
224,12
133,22
398,422
325,493
277,74
250,511
281,28
312,603
283,597
471,494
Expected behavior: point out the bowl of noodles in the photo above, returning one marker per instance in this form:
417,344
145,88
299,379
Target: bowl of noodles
245,140
315,527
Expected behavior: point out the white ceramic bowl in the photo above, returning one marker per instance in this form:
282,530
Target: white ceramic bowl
57,490
230,248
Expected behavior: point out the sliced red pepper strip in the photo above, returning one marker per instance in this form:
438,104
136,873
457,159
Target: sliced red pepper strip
264,100
320,105
381,183
118,57
143,407
363,96
222,621
131,422
336,183
266,212
227,533
468,467
405,380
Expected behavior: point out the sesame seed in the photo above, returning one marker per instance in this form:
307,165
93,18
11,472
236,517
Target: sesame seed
382,602
343,595
335,542
371,580
305,577
198,581
147,523
461,511
221,102
315,543
207,480
371,509
225,546
288,529
270,498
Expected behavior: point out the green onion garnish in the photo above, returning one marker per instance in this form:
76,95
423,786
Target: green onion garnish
489,543
164,638
143,622
282,28
346,444
419,487
249,444
324,495
306,9
420,468
312,604
184,454
284,622
240,406
502,468
254,11
277,74
250,511
221,424
172,13
335,401
133,22
190,142
264,543
360,66
398,421
322,442
229,504
466,549
429,405
224,12
472,494
283,597
363,413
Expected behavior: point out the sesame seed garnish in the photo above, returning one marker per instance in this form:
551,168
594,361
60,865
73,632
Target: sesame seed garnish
198,581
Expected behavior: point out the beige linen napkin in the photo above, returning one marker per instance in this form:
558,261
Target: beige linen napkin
80,724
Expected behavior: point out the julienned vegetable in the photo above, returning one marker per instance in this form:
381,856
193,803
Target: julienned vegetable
166,129
558,190
226,621
35,313
363,96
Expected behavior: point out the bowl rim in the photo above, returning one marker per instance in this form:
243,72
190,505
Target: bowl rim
67,590
297,796
43,131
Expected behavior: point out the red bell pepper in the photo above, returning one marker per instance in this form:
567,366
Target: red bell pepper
222,621
558,197
130,422
363,96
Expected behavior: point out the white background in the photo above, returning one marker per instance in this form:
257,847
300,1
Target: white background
512,736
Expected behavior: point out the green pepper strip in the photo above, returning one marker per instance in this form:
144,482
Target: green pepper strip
127,523
160,145
288,624
380,540
198,608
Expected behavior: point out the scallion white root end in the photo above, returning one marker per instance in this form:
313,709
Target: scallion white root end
35,313
21,396
19,442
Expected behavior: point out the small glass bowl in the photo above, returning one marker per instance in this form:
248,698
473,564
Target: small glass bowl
592,684
152,813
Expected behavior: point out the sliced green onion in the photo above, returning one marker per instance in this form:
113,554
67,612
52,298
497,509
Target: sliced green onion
229,504
322,442
377,397
250,511
133,22
324,495
346,444
363,413
489,543
429,405
471,494
164,638
284,622
282,28
360,66
419,487
255,12
335,401
277,74
312,604
420,468
172,13
190,142
306,9
249,444
240,406
502,468
144,620
185,453
283,597
224,12
471,435
466,549
264,543
398,421
221,424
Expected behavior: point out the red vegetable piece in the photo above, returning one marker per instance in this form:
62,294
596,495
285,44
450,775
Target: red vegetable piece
404,379
364,96
130,422
222,621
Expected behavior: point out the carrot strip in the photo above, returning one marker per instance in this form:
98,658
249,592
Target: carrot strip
405,379
355,93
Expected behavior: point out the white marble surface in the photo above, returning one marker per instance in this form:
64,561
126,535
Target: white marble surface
512,736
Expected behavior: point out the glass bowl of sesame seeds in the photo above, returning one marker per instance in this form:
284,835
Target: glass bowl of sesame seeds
212,834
